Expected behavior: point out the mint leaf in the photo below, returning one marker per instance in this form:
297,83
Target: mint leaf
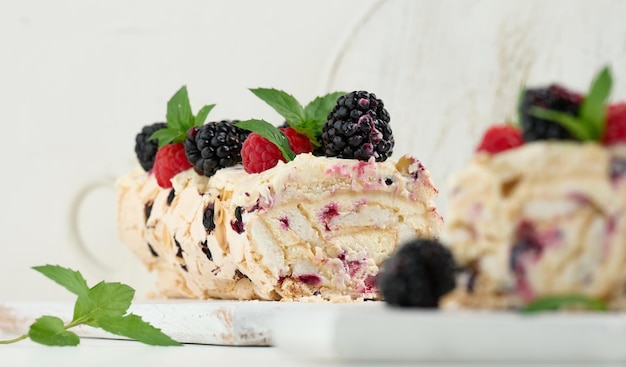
167,135
520,100
283,103
132,326
102,306
179,115
574,125
72,280
103,300
593,107
180,119
316,115
202,115
271,133
49,330
319,108
555,303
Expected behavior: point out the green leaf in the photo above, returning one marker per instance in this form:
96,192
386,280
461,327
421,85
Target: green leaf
49,330
316,115
520,99
72,280
202,115
167,135
574,125
271,133
179,115
319,108
133,327
104,300
555,303
593,107
283,103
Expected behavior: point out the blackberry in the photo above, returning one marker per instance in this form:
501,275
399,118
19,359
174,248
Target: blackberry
214,146
555,98
146,149
418,274
358,128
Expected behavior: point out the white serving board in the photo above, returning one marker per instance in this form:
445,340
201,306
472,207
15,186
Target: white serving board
215,322
368,331
384,334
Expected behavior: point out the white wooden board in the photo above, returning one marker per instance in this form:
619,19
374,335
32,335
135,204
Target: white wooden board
379,333
216,322
369,331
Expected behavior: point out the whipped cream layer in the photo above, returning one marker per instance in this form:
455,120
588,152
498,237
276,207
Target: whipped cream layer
315,227
546,218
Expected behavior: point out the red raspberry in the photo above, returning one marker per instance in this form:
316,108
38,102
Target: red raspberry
170,159
500,137
299,143
615,131
259,154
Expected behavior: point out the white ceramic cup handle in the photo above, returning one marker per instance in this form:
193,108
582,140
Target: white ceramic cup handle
76,238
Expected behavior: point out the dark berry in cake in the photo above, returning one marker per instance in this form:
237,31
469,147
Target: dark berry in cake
214,146
358,128
554,97
145,148
418,274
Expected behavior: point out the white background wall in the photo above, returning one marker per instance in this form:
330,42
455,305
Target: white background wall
79,78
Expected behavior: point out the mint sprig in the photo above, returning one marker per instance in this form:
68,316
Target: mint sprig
591,119
103,306
271,133
555,303
307,120
180,118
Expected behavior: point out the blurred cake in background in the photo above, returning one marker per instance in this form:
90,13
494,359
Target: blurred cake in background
539,210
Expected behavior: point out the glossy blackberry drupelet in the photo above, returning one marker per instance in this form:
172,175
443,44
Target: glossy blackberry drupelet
214,146
418,274
358,128
554,97
146,149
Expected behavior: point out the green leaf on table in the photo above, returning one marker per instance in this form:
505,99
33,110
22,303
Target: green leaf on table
555,303
133,327
49,330
72,280
102,306
271,133
104,300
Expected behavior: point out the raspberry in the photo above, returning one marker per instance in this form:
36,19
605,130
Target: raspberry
259,154
500,137
615,130
418,274
297,142
170,160
555,98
